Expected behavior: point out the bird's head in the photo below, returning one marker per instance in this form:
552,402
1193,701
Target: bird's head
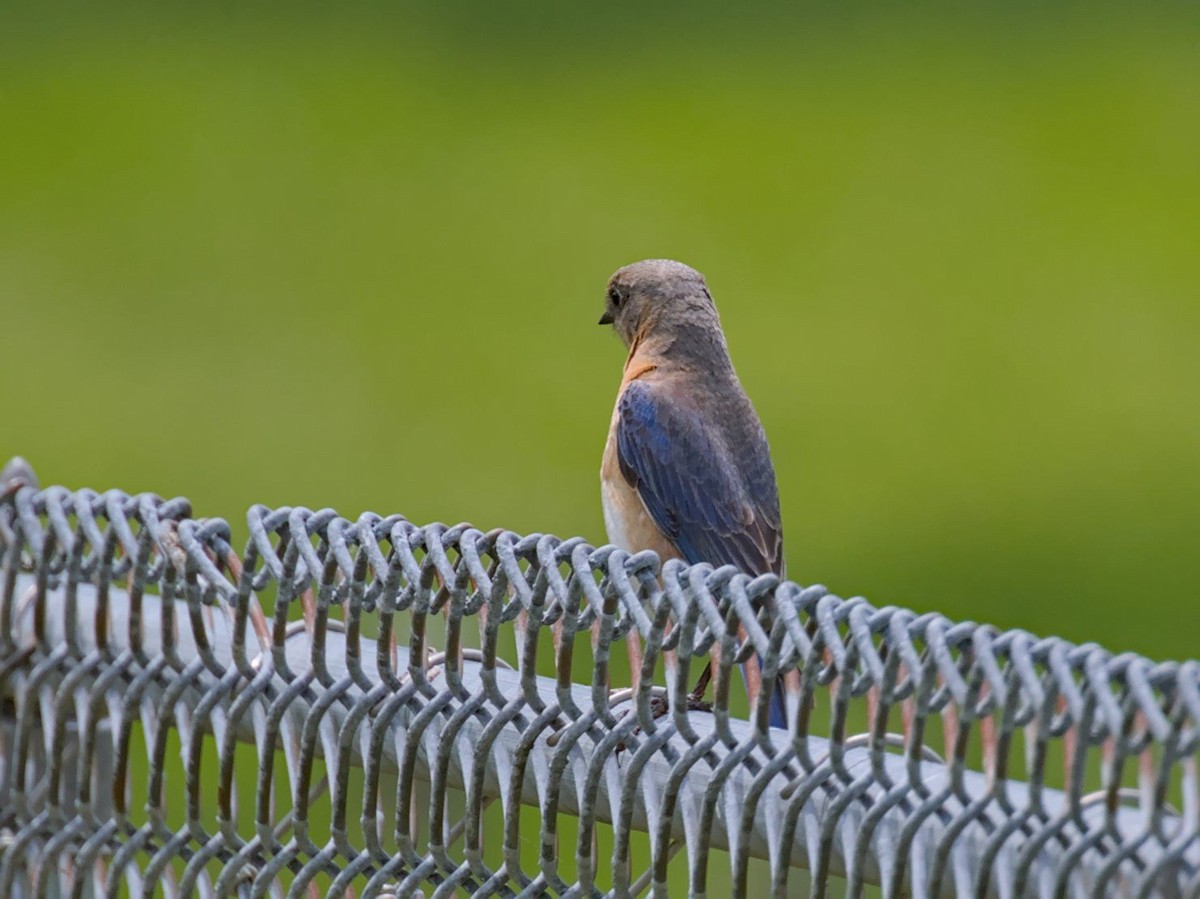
658,298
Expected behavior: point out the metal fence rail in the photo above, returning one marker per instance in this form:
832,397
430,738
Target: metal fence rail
367,707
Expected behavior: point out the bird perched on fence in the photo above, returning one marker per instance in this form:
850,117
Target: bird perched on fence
686,470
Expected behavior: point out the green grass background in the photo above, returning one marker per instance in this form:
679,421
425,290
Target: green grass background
353,256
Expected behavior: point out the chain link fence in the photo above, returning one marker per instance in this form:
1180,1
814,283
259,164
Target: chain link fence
371,708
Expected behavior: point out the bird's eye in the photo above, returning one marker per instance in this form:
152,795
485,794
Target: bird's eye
614,297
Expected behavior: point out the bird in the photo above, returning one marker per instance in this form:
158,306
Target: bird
686,470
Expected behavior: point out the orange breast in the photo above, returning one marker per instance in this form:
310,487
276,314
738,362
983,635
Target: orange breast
626,520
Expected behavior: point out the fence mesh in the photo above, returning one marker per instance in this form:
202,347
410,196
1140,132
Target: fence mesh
372,708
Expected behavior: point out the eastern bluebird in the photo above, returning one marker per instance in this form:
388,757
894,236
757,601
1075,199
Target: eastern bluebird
686,470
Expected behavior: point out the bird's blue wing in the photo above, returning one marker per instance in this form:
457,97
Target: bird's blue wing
705,476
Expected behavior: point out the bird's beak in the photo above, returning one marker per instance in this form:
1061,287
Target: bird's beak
606,318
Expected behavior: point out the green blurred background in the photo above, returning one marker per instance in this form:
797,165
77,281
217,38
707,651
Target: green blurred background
353,256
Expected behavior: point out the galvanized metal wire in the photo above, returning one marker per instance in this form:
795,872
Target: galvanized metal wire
369,707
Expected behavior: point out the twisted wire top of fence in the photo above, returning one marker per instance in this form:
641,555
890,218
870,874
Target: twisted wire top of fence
552,675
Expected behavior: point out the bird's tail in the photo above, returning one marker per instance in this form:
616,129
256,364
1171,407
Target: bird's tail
777,716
